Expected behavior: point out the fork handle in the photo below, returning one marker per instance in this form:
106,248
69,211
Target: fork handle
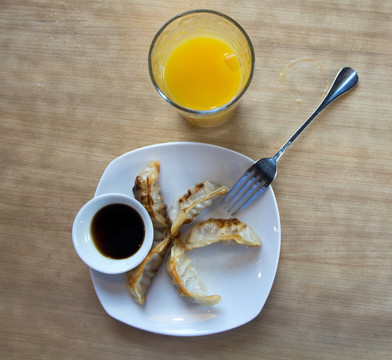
344,81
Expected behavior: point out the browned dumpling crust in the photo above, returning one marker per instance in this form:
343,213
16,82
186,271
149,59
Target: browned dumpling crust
140,278
189,205
147,191
217,230
183,274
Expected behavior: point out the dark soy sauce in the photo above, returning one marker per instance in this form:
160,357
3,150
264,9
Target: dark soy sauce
117,231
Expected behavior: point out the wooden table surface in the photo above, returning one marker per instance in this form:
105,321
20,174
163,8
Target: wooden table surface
75,93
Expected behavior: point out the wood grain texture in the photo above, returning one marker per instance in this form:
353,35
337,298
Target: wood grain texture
75,93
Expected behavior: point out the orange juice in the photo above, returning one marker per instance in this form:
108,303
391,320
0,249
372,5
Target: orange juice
203,73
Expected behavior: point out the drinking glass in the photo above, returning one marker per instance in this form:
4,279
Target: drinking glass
189,25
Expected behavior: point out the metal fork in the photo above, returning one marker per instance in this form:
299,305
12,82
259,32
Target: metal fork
260,175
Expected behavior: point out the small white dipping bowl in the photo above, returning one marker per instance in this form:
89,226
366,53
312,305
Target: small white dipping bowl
84,243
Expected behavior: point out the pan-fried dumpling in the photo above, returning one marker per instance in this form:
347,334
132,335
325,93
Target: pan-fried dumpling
188,206
183,274
215,230
140,278
147,191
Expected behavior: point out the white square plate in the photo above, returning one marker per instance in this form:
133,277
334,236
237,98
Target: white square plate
241,275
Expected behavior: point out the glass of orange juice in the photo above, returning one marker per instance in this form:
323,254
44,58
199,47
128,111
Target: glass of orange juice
201,62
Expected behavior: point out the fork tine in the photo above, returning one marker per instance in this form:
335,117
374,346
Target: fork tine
233,193
250,184
248,198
